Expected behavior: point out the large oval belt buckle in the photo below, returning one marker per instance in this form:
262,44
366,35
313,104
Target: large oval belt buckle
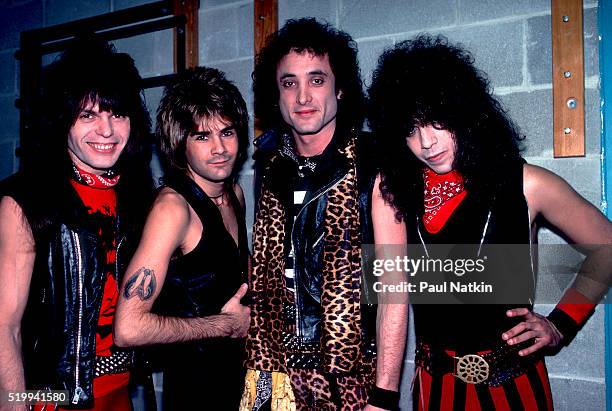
472,369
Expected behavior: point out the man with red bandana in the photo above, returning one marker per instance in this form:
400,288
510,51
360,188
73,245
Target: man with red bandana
67,221
452,173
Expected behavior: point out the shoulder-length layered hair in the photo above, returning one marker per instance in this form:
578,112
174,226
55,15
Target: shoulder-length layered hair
197,95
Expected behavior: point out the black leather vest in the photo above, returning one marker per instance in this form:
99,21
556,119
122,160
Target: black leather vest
61,316
308,227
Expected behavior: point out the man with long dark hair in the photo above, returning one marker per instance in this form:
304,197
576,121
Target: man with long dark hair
184,285
66,224
452,173
311,344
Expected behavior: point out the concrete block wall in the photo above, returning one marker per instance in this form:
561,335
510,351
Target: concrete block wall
510,41
226,43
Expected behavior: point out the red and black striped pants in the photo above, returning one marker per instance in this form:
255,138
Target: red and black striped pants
529,391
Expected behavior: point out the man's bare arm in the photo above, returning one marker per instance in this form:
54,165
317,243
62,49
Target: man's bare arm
392,316
552,197
556,201
16,264
167,227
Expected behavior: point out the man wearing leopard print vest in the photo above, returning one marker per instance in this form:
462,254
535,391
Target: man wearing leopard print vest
311,343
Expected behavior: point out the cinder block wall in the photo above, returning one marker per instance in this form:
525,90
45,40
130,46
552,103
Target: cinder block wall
511,41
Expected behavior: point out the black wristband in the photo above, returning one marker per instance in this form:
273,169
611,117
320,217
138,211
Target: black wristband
565,324
386,399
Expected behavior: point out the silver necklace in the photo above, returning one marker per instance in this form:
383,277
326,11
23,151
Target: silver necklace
482,237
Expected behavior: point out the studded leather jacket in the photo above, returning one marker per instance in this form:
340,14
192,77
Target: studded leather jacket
61,315
307,228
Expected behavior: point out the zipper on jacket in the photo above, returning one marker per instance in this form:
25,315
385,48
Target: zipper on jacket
323,191
117,276
78,390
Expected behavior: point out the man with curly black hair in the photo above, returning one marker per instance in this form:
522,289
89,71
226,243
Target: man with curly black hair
452,173
311,342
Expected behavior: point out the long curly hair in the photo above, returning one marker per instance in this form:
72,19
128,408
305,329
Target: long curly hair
91,71
312,36
197,94
429,81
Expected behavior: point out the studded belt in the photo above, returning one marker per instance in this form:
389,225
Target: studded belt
301,354
492,368
116,363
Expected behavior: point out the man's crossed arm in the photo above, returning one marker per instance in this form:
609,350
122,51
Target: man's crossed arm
167,226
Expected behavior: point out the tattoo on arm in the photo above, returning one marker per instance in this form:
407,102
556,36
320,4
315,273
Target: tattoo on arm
142,283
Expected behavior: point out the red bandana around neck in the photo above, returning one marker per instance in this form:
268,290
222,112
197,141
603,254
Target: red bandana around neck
443,193
107,180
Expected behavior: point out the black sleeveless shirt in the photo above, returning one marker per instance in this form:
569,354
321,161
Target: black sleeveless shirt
206,374
476,327
200,282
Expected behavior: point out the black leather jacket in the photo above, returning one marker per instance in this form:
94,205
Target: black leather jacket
60,320
307,230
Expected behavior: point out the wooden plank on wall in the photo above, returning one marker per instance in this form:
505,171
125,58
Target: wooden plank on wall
266,23
568,78
189,9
